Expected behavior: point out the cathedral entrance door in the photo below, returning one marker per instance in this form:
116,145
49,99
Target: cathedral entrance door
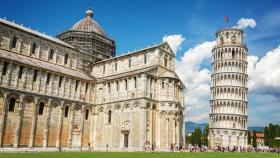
125,143
76,140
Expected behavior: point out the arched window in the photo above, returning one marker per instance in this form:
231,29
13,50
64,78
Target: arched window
66,59
165,62
129,62
41,108
66,111
34,46
109,116
233,54
135,82
51,53
125,82
12,104
104,69
87,112
14,42
145,58
117,86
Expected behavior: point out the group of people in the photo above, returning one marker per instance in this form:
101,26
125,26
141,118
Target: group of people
196,148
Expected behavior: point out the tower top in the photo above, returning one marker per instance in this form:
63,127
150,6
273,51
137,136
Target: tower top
89,13
229,36
229,30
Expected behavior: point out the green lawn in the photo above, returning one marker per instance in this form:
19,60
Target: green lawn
136,155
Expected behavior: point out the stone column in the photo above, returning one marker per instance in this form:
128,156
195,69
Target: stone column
19,46
46,129
144,85
34,118
16,78
167,129
183,132
178,133
29,49
1,69
82,125
158,128
3,117
71,126
143,124
59,125
93,127
19,118
9,74
174,129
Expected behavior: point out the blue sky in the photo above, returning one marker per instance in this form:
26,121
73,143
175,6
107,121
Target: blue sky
137,24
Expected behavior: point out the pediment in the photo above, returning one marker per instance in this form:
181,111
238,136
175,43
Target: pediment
168,74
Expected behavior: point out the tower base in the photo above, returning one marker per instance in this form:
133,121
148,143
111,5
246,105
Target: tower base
219,137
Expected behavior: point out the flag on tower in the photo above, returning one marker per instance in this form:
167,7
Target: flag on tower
226,18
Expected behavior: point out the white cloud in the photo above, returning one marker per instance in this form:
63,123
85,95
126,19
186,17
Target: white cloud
264,73
196,80
174,41
242,23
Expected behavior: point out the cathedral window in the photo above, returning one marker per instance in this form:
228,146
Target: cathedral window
12,104
103,69
34,46
116,66
87,113
14,42
145,58
20,72
118,86
125,82
109,87
60,81
77,85
51,54
135,82
129,62
109,116
41,108
5,67
48,78
165,62
35,75
66,111
86,88
66,59
162,85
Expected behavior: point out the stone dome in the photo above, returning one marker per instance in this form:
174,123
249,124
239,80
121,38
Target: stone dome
88,24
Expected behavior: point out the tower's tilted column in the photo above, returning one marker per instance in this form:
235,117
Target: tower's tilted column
228,112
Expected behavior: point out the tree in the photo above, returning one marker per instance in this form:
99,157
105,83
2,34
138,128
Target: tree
266,136
270,133
254,143
195,138
249,138
205,135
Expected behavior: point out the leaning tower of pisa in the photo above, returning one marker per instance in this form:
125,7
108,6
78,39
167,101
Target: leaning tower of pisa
228,115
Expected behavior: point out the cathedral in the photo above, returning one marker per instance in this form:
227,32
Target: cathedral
72,92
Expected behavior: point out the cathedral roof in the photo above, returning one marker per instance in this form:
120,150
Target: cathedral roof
33,32
42,64
88,24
